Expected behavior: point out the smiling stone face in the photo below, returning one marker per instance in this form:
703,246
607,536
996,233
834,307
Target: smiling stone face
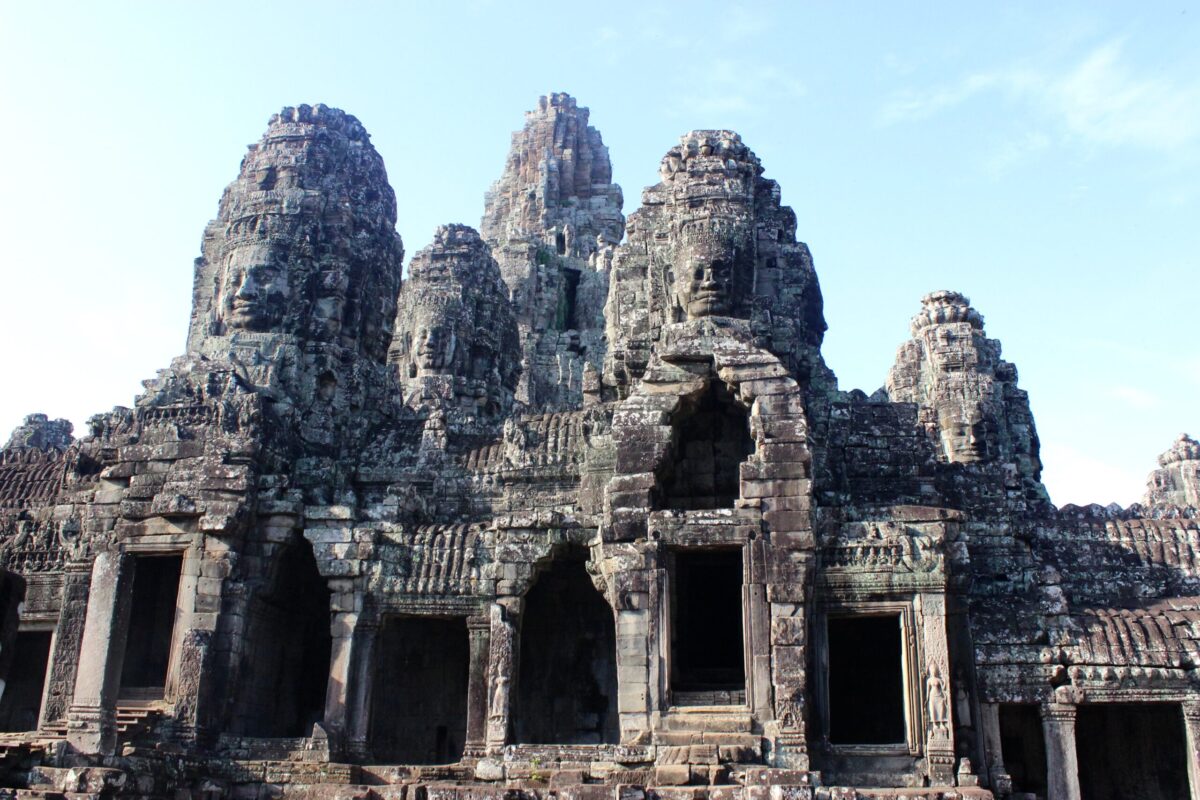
706,273
255,288
304,243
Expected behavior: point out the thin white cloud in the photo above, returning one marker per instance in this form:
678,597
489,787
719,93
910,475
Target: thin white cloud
1135,397
734,86
915,105
1103,101
1100,100
1012,152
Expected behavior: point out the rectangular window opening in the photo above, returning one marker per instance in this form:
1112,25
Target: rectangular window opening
866,680
707,643
151,625
1131,750
1023,746
21,705
419,702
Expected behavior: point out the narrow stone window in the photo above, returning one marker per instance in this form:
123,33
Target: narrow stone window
560,243
711,439
286,663
567,315
419,699
151,626
1023,745
22,701
567,682
1131,750
866,680
707,648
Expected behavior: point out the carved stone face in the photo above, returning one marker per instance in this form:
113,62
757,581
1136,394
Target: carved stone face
255,288
435,348
330,305
704,274
962,437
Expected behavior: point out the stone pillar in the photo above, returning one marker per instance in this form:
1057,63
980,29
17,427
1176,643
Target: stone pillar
479,631
337,690
1191,722
362,679
998,778
67,642
91,719
1062,764
642,609
502,662
939,733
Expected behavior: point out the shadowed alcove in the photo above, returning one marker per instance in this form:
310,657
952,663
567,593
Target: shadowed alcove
567,682
1023,745
1128,750
22,699
419,701
151,625
866,680
710,438
707,643
286,663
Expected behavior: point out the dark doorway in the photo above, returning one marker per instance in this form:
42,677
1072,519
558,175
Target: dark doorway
419,699
866,680
286,663
1128,750
567,682
711,438
1023,744
151,624
22,702
707,648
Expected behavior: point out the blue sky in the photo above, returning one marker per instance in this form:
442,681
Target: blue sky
1046,162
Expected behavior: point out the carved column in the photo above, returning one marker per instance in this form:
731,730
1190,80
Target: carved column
641,611
479,631
939,732
91,719
337,690
1062,765
68,642
362,679
502,662
1191,721
999,780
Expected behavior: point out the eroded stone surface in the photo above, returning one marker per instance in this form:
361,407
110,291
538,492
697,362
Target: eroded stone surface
553,220
597,522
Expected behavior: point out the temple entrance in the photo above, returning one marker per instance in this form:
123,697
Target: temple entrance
711,438
286,664
708,665
866,680
1128,750
151,626
21,705
419,698
567,682
1023,745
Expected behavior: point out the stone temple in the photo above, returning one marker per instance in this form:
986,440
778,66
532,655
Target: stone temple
574,510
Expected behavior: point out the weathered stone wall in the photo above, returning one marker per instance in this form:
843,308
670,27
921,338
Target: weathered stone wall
571,444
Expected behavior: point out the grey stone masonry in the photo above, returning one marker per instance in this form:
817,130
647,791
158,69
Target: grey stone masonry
577,510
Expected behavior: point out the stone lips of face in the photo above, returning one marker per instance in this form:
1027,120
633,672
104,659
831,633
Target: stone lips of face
304,242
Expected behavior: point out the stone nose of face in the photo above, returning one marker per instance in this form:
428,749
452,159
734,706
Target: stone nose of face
248,288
